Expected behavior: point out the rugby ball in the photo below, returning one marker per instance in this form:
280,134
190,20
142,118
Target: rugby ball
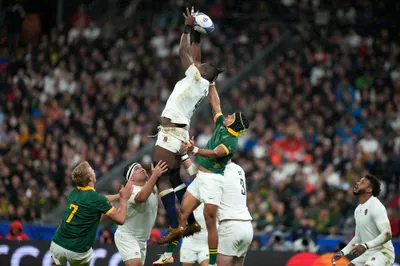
203,23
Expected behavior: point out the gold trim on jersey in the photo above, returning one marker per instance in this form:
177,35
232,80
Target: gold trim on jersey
110,210
225,148
85,188
216,116
233,132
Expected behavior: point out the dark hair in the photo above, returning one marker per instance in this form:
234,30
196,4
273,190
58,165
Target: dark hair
241,122
216,71
375,184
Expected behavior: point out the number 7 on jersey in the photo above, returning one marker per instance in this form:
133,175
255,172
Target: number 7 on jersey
74,209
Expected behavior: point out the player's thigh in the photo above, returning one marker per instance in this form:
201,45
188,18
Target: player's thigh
234,238
194,189
238,261
133,262
189,203
188,264
359,261
212,188
380,259
58,254
80,259
166,148
187,255
203,256
127,246
224,260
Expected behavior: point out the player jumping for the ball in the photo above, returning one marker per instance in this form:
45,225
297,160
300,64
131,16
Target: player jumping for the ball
207,187
371,242
175,120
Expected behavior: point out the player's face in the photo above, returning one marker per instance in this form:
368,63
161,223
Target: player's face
229,120
139,174
361,187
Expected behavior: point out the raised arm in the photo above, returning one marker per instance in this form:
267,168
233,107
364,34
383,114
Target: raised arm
184,45
214,100
147,189
195,49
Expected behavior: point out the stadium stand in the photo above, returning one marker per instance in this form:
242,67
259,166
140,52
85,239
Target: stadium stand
327,112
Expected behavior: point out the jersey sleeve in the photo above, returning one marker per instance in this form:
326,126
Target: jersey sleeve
135,191
102,204
230,145
219,120
193,73
380,216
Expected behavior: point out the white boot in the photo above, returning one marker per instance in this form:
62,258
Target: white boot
165,258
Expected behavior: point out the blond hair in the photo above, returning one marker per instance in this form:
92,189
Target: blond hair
81,174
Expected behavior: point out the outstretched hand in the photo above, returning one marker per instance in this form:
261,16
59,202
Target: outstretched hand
126,191
160,168
189,16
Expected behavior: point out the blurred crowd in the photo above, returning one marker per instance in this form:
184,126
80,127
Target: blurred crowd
89,92
323,114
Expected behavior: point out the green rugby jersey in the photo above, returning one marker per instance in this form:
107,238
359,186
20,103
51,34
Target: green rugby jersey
77,231
221,136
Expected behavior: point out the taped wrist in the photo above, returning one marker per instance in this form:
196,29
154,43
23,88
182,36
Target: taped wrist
188,29
195,35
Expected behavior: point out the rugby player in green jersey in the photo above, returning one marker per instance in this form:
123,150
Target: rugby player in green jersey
76,234
211,161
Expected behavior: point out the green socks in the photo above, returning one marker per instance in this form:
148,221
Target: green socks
213,255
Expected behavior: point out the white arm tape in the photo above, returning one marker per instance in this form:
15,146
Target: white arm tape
195,150
192,170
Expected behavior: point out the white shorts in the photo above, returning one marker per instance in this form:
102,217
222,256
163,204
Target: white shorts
171,138
129,248
193,254
375,258
61,256
234,238
208,188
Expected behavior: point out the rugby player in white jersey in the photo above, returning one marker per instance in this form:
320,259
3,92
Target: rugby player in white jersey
131,237
195,248
175,121
372,240
235,230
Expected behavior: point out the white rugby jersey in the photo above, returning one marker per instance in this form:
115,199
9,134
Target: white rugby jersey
370,216
198,240
234,203
186,96
140,217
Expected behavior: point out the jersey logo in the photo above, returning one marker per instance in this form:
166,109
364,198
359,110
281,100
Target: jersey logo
216,165
165,138
224,137
366,211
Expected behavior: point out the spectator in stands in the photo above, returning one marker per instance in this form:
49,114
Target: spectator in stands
155,235
106,236
16,231
394,222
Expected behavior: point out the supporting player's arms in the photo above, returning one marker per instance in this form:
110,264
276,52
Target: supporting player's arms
148,188
214,101
220,151
119,215
112,197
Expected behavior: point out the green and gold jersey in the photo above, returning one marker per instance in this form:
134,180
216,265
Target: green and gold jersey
221,136
77,231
